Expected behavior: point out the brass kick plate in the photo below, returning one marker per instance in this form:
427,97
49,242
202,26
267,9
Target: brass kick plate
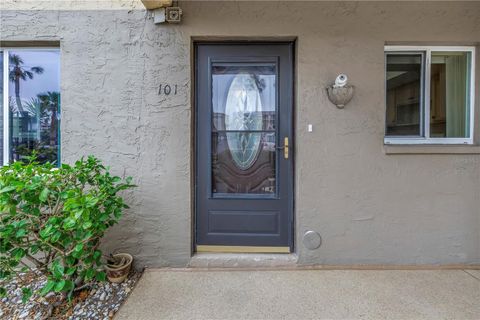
242,249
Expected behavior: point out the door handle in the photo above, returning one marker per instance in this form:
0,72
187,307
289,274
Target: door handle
284,147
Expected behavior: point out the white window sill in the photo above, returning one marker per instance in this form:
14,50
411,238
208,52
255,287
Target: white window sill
430,149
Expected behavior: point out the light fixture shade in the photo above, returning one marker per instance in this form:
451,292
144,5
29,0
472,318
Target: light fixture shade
155,4
340,96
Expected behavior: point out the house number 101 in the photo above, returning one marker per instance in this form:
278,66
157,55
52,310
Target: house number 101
167,89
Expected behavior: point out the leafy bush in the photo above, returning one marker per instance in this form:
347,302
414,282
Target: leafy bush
52,219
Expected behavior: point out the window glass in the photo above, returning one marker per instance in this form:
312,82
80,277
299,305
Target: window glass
1,108
449,93
34,102
244,129
404,98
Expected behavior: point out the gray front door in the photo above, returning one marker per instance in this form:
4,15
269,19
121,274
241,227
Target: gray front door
244,146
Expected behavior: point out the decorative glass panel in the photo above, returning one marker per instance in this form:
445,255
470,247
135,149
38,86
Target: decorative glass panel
404,94
229,177
449,95
243,109
34,102
244,97
243,129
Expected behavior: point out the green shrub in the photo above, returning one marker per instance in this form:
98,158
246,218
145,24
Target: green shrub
52,219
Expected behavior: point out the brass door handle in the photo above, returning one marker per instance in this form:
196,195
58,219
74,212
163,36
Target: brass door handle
284,147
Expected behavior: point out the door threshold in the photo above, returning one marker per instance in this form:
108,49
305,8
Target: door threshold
242,260
242,249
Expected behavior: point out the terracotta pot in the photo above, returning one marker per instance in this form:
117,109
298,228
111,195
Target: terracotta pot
117,274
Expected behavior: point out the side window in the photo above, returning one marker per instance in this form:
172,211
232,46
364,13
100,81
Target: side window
3,77
404,94
31,104
429,95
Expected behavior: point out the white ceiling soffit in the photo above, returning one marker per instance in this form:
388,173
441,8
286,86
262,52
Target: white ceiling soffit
71,5
123,4
155,4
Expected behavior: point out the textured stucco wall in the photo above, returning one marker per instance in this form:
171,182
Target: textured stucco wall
369,207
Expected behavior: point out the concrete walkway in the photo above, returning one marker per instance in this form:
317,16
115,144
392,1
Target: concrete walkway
305,294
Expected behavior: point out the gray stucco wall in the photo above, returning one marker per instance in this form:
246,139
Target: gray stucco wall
370,207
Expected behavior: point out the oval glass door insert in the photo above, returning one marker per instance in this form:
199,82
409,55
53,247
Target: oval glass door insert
243,114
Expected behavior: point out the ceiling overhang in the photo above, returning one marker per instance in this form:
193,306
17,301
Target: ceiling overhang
155,4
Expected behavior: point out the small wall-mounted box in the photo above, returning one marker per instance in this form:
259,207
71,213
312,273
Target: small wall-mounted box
155,4
173,14
159,15
169,14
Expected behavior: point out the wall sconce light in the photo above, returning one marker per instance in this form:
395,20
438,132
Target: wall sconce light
341,92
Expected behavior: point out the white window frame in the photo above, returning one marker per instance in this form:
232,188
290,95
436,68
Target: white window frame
426,51
6,82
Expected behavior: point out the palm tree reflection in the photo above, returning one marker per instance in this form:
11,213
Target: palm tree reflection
18,71
34,123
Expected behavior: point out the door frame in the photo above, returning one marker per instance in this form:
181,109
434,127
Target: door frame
193,123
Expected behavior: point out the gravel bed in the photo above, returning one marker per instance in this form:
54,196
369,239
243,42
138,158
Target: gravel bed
100,301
